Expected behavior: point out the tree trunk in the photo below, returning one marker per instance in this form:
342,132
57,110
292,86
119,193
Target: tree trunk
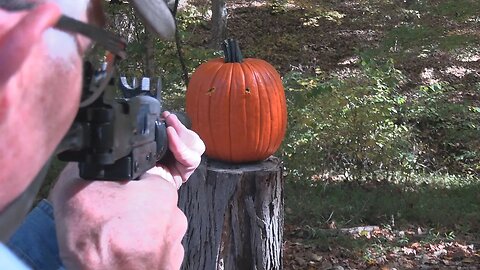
219,23
235,215
149,42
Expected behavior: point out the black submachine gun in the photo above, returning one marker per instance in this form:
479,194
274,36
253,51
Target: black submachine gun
112,137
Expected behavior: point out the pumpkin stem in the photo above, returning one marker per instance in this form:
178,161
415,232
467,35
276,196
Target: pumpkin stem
231,50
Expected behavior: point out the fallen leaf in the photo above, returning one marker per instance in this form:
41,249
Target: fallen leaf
415,245
440,252
301,261
314,257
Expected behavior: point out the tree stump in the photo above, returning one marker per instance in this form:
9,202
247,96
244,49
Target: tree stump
235,215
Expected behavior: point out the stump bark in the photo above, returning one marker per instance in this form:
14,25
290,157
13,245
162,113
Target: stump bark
235,215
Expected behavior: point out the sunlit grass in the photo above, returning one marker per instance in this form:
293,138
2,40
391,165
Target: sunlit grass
434,200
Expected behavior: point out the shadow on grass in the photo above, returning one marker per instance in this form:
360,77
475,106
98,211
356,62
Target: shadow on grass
436,223
454,205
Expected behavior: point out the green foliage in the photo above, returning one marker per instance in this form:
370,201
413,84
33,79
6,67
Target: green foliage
365,127
193,56
459,10
166,61
407,37
278,6
454,41
419,37
56,166
319,14
192,16
349,126
424,199
416,39
447,128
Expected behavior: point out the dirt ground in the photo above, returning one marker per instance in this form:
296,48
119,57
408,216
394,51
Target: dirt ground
329,36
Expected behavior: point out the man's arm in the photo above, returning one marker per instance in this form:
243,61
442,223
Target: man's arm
127,224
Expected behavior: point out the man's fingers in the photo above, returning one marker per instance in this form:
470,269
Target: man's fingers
166,174
173,121
182,153
195,143
186,146
190,138
16,45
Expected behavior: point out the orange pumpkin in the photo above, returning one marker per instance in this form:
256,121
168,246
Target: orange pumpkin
237,106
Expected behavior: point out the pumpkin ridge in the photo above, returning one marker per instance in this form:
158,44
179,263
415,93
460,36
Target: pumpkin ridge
219,112
238,114
229,113
258,137
211,133
252,111
271,104
191,96
265,105
269,90
198,106
278,117
282,108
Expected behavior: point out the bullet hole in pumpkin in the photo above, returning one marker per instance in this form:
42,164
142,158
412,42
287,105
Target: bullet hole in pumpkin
210,91
247,90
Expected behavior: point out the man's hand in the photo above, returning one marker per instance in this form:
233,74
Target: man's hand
129,224
187,149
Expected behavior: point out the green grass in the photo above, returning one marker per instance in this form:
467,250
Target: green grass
451,42
444,208
418,38
55,168
459,10
411,37
429,200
